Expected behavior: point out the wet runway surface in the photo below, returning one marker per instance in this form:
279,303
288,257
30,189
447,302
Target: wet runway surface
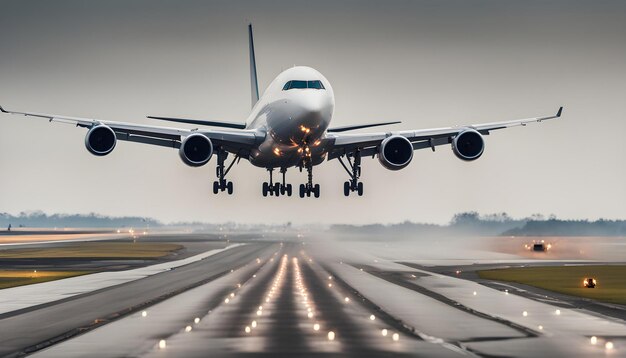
284,299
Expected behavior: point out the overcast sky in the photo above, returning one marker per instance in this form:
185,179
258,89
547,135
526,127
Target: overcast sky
426,63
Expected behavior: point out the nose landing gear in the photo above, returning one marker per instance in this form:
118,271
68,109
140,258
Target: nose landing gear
309,188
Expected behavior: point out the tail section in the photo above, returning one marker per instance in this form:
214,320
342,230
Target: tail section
254,84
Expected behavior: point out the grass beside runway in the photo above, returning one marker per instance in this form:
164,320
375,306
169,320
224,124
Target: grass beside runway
13,278
95,250
569,280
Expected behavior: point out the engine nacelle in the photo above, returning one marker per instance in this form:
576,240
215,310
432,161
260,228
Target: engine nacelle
395,152
196,150
100,140
468,145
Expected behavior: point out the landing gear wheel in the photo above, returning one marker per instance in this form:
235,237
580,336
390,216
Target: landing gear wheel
288,189
302,190
346,188
265,188
276,189
229,188
316,190
216,187
359,189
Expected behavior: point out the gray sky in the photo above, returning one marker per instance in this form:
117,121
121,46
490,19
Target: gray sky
427,63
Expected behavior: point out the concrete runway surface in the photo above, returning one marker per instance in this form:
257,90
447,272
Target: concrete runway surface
303,297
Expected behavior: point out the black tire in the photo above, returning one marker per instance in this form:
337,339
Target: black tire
277,189
229,187
346,188
282,190
316,190
359,189
216,187
288,189
302,190
265,188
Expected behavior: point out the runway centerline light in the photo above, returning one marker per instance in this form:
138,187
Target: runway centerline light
188,329
316,327
331,336
384,332
253,324
395,337
525,314
594,340
557,312
196,320
609,346
372,317
247,329
144,313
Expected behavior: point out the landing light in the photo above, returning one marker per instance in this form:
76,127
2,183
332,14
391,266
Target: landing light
395,337
384,332
144,313
316,327
196,320
594,340
188,329
609,346
372,317
162,344
331,336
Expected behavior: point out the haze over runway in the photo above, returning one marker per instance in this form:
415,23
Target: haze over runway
304,294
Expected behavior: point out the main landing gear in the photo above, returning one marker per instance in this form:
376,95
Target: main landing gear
355,173
277,189
221,184
308,188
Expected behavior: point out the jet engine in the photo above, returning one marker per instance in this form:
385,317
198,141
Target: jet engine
196,150
395,152
100,140
468,145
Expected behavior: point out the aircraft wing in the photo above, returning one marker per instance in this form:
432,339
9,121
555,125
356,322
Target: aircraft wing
367,143
234,141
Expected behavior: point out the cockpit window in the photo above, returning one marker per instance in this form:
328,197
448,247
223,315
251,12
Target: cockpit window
315,84
303,84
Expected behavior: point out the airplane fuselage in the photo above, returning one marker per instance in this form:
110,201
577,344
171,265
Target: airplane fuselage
295,120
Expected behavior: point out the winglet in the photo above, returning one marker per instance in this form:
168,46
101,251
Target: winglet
558,114
3,110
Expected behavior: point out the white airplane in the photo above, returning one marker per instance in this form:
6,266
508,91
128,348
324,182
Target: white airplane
288,127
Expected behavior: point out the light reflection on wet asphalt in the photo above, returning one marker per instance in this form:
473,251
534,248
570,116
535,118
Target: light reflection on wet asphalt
286,304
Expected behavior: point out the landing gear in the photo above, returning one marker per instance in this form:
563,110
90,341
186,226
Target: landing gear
309,188
355,173
284,187
221,184
276,189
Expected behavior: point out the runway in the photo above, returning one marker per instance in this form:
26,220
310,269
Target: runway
295,297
